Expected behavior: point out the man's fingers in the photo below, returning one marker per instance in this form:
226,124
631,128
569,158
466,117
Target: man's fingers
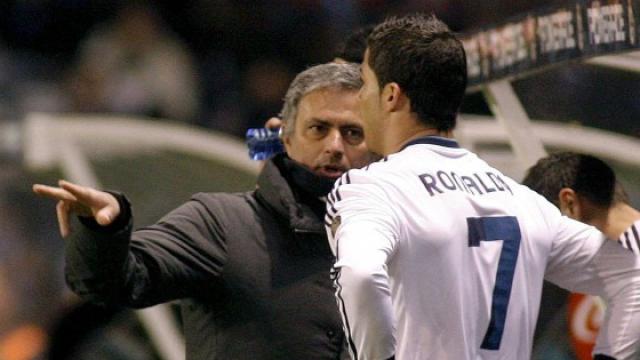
71,202
53,192
106,216
91,202
82,193
62,211
273,123
81,200
89,197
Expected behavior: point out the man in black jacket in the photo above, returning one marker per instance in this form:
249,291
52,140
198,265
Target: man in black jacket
252,268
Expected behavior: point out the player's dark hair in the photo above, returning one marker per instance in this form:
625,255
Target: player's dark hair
587,175
353,47
427,61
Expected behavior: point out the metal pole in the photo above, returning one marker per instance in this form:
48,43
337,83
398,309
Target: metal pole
507,108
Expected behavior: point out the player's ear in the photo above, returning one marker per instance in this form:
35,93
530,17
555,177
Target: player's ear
569,204
393,98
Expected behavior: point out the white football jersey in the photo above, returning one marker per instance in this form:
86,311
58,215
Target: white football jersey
630,239
441,256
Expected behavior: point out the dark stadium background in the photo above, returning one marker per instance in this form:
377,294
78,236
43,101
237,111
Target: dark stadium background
245,53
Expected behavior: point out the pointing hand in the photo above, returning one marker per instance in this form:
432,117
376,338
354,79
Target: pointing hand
81,200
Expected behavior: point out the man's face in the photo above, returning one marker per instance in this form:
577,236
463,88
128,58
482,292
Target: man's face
328,136
370,107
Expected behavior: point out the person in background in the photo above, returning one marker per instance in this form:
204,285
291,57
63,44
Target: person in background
585,188
353,47
133,65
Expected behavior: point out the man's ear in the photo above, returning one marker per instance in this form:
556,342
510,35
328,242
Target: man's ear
569,204
393,98
286,138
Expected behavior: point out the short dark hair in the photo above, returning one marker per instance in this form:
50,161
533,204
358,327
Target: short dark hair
353,47
427,61
587,175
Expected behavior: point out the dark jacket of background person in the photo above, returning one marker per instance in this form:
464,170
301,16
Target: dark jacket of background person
253,266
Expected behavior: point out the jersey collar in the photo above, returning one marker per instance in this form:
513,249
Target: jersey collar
433,140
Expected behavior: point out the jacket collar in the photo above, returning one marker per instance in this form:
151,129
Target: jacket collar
277,190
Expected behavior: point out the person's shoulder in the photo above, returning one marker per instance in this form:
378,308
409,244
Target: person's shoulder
365,174
217,199
225,207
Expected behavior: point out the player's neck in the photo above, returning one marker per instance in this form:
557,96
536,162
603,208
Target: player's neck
405,130
619,218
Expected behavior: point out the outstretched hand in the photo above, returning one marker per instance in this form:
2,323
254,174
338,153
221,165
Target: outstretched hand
80,200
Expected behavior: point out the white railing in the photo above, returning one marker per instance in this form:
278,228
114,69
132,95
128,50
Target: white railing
68,141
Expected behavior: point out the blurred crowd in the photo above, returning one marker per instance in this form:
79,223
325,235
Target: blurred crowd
219,64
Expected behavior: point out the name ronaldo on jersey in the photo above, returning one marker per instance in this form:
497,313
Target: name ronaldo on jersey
475,184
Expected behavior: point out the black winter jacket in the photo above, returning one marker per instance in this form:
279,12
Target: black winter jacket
252,270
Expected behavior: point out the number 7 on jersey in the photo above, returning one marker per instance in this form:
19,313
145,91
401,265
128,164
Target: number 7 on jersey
507,229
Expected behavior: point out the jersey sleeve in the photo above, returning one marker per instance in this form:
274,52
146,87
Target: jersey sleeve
362,230
583,260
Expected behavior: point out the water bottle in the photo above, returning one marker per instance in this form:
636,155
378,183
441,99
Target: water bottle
263,143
